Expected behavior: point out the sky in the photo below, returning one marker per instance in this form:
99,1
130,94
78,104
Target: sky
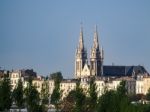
43,34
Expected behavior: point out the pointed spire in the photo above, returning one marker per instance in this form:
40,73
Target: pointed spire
96,43
102,52
81,42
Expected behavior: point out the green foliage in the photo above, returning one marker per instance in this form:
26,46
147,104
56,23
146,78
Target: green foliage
79,99
148,95
45,93
118,101
56,76
91,101
5,94
56,95
121,89
75,101
107,102
32,98
18,94
113,101
68,103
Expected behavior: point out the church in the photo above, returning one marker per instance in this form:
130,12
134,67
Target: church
95,66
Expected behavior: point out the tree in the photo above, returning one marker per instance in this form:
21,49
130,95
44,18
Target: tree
79,99
124,103
92,99
18,94
68,102
56,95
115,101
107,102
32,98
45,94
5,94
121,89
56,76
148,94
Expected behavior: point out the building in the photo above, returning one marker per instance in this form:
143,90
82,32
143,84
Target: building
14,78
140,85
96,67
107,77
51,86
123,71
82,68
38,82
66,86
24,75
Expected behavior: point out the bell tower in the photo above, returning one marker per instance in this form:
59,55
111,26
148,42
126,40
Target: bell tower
80,56
96,57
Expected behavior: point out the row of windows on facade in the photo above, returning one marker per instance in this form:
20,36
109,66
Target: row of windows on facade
14,76
15,82
69,86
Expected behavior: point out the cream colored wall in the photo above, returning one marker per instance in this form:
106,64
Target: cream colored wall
66,87
51,86
14,77
139,87
116,83
100,84
146,84
38,84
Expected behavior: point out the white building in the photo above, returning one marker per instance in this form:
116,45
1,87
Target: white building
100,84
38,83
14,78
140,85
51,86
66,86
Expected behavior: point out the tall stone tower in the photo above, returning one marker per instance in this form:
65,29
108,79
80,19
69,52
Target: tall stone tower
96,57
81,56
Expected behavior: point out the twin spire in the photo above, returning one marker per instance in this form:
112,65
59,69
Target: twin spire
81,42
95,42
96,57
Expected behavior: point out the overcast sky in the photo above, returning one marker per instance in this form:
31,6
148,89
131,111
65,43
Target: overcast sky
43,34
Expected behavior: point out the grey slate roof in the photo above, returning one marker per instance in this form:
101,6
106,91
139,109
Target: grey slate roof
109,70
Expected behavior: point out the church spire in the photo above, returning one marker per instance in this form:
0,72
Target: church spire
81,41
96,61
96,43
81,55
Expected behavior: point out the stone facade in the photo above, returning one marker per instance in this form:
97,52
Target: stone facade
14,78
82,69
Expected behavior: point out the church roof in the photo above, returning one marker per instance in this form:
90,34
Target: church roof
109,70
